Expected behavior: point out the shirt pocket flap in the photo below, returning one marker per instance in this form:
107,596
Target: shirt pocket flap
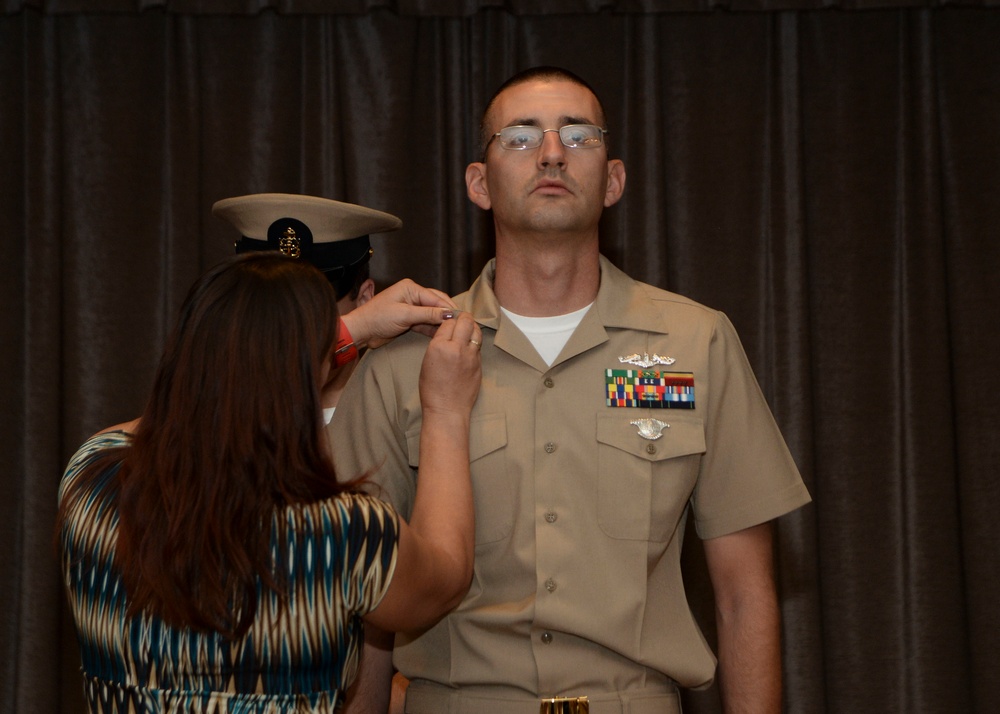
679,435
487,433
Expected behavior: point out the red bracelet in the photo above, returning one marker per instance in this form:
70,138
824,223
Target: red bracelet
346,351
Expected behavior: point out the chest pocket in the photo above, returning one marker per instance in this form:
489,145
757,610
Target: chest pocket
644,485
491,488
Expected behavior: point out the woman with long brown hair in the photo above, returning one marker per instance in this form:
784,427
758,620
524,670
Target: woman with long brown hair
213,560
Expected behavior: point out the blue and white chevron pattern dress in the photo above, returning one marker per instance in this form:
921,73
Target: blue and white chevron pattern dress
299,655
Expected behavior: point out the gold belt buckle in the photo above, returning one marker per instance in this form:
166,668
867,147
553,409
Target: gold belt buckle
565,705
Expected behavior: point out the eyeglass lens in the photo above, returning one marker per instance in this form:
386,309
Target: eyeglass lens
575,136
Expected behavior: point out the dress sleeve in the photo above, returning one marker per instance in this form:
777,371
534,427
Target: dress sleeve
371,546
91,449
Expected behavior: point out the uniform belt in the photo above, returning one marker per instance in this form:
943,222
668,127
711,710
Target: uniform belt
441,700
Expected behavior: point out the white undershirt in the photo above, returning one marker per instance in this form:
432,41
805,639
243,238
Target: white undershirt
548,334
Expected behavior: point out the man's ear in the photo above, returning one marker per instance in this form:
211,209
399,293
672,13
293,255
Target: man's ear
366,292
476,186
616,182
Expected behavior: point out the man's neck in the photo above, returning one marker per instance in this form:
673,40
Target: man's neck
546,280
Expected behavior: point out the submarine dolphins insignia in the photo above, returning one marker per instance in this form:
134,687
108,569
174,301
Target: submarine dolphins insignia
646,361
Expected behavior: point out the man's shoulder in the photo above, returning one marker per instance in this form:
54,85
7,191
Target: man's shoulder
639,305
628,294
404,346
670,300
397,361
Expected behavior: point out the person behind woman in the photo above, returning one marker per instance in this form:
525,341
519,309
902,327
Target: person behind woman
213,561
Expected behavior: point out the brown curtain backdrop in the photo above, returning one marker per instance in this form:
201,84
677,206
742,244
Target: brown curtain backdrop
827,177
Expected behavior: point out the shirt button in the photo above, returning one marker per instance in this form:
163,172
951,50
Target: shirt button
549,382
550,447
550,585
650,448
546,638
551,516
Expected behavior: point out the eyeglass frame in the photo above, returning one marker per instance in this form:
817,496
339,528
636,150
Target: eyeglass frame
602,131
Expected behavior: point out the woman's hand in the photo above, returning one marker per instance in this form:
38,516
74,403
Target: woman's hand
451,371
395,310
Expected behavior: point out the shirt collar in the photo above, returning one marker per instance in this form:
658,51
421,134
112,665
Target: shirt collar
621,301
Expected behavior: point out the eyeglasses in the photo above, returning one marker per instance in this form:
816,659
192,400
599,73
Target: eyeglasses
575,136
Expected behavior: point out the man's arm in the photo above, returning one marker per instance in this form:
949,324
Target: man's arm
370,692
746,608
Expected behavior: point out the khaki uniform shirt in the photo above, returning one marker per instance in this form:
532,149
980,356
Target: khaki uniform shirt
579,518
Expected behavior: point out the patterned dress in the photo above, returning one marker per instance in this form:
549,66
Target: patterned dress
298,656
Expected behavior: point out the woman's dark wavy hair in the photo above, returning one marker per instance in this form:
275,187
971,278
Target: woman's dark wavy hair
230,433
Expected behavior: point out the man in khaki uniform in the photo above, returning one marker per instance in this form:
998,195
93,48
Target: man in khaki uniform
610,411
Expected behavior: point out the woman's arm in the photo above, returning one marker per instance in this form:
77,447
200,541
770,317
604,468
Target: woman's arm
436,549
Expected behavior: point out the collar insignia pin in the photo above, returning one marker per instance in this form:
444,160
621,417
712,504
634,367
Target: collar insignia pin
646,361
651,429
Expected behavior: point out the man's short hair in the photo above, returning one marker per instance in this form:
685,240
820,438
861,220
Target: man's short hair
542,72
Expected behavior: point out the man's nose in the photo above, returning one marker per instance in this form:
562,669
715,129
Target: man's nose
552,152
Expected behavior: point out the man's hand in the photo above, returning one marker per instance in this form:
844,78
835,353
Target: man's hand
398,308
